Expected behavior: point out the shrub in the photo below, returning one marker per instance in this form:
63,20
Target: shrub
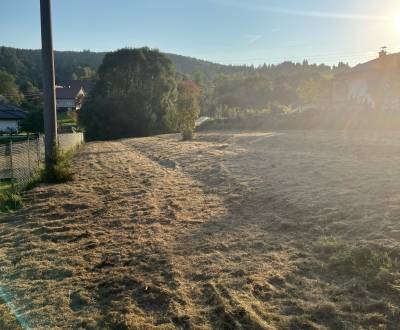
183,118
187,135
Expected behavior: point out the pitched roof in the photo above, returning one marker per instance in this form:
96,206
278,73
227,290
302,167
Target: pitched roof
9,111
385,64
67,93
87,85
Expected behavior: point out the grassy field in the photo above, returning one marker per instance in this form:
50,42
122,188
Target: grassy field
235,230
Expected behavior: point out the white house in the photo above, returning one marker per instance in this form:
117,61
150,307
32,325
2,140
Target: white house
10,117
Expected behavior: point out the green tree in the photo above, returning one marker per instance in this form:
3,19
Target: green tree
29,89
309,91
187,109
8,87
84,73
243,92
33,121
135,91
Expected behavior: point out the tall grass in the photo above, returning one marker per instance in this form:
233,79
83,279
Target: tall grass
59,172
378,268
61,169
10,201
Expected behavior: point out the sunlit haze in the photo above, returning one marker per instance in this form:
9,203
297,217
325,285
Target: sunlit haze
397,22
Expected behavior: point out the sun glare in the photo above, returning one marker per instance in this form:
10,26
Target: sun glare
397,22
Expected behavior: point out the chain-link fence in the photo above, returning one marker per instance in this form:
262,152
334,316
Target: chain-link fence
20,160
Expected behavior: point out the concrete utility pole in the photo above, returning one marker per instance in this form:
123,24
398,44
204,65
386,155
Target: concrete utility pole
50,115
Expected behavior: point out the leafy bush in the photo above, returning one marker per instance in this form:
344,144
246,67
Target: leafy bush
187,135
33,122
183,117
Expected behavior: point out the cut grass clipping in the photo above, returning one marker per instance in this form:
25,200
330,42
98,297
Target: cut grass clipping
61,170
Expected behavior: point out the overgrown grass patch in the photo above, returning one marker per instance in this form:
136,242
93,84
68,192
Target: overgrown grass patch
10,201
61,170
372,266
5,186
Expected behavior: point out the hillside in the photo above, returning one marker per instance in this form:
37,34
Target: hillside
25,64
231,231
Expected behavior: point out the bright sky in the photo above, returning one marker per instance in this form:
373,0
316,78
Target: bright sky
224,31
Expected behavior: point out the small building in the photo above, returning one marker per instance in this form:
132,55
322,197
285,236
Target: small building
87,85
10,117
69,98
374,84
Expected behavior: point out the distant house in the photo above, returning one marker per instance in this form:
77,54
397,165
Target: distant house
70,96
375,84
86,85
10,117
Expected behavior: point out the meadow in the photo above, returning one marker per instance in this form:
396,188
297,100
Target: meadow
234,230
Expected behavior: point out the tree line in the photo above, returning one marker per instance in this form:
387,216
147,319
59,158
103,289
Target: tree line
124,79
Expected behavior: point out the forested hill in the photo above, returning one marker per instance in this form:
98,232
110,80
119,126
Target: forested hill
25,66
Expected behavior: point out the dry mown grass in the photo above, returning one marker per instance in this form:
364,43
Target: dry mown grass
7,319
293,230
